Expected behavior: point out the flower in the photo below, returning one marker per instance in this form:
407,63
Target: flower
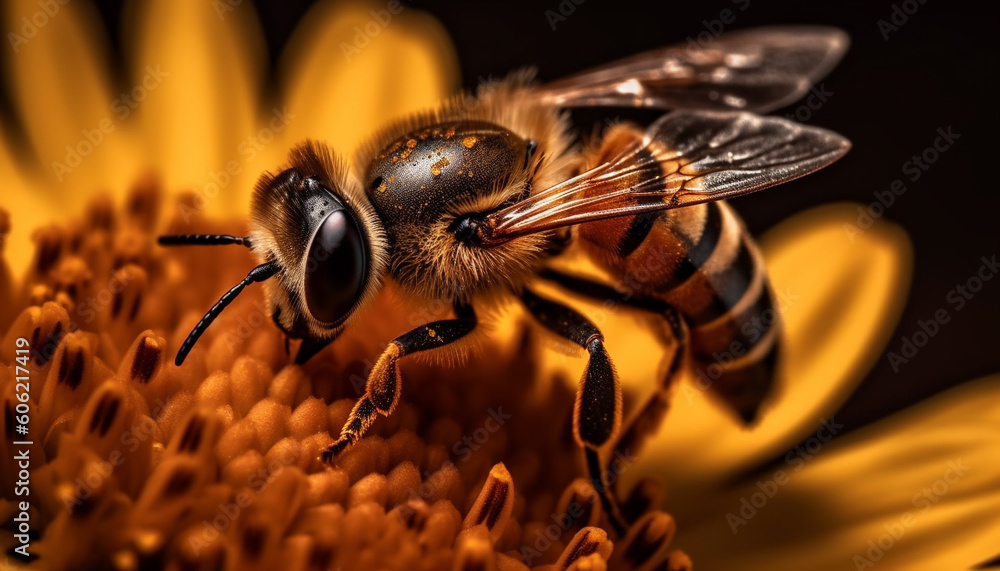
137,463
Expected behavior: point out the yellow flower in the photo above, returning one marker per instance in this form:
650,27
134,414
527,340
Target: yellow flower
140,464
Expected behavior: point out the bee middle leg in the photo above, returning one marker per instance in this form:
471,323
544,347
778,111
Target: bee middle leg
598,411
646,420
383,386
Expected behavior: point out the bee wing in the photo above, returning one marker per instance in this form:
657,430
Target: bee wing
684,158
755,70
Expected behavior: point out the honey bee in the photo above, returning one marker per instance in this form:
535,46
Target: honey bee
479,196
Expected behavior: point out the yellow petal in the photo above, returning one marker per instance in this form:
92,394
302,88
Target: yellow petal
200,66
27,207
352,66
840,297
920,486
59,81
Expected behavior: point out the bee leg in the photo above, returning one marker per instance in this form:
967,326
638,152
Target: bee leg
383,387
647,419
598,411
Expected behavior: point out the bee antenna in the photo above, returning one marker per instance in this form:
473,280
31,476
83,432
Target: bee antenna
203,240
258,274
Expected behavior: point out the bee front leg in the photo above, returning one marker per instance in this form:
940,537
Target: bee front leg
597,414
383,387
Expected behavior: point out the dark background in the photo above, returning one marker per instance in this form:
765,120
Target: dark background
889,97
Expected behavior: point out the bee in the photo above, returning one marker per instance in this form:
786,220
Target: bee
476,198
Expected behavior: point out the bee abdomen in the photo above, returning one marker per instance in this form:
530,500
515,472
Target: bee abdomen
734,334
701,261
721,288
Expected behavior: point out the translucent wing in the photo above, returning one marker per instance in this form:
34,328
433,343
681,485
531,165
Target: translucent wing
684,158
754,70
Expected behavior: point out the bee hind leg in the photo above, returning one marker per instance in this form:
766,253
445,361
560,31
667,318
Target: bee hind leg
598,410
646,420
383,386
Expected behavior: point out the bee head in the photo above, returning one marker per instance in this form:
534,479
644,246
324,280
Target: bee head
315,223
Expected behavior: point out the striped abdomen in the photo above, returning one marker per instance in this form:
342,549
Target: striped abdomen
701,261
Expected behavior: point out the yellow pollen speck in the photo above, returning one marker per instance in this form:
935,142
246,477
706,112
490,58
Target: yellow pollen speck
449,133
411,143
395,159
470,174
436,167
391,150
431,332
381,187
469,142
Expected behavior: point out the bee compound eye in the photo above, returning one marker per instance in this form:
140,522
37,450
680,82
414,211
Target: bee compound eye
335,268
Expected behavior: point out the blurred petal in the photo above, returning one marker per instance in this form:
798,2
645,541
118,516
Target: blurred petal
60,85
201,65
352,66
27,207
840,298
920,486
